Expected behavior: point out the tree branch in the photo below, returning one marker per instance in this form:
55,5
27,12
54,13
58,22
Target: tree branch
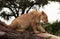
2,33
11,10
29,9
46,35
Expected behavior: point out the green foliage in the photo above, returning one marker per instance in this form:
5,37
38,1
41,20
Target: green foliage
15,6
55,0
53,28
48,37
41,2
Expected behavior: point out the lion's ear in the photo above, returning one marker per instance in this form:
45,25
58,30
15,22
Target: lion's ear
42,12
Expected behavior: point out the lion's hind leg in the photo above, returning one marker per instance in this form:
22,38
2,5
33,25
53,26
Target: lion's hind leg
21,28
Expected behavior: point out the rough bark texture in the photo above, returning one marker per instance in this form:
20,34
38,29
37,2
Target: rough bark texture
6,33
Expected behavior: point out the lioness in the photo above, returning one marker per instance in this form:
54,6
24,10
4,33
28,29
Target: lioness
31,19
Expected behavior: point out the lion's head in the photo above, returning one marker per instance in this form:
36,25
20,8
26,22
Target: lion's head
44,17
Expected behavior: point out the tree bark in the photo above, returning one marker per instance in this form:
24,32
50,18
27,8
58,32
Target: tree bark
2,33
7,33
45,35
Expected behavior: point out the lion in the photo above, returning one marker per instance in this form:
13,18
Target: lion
30,19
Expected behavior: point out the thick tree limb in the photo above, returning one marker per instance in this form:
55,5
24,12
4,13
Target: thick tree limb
6,33
45,35
2,33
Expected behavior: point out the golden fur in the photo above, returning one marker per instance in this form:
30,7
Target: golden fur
31,19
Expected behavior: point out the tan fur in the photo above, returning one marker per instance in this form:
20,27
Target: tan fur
24,21
44,17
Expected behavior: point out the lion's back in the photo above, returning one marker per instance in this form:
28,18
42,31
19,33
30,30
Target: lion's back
24,19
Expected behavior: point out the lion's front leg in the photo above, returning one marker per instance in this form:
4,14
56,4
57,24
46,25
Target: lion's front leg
41,28
35,30
21,28
34,27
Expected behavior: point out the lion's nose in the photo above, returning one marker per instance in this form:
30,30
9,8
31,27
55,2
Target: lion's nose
46,21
